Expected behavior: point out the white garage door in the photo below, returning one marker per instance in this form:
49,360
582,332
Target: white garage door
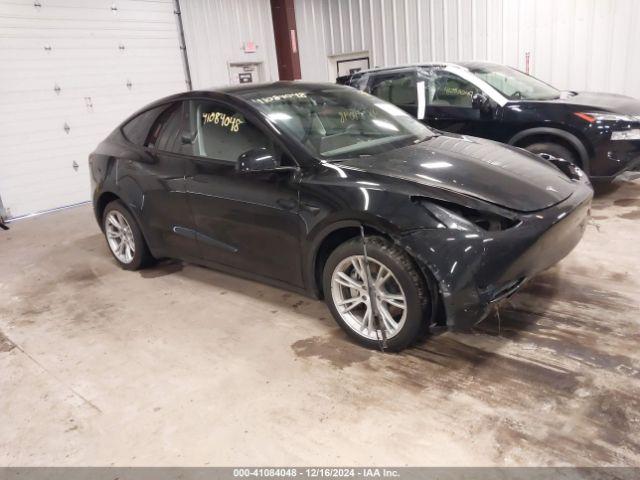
71,70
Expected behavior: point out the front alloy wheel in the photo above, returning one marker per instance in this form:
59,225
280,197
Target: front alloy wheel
350,294
388,301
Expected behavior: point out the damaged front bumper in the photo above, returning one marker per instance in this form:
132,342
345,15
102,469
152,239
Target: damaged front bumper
476,269
613,158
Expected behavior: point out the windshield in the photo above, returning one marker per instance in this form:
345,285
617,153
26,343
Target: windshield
338,122
514,84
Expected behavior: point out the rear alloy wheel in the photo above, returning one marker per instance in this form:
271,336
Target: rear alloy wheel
119,237
124,237
397,293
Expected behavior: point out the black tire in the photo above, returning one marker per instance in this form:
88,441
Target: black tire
407,275
553,149
141,257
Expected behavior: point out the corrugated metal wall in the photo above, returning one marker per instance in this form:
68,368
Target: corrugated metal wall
215,33
576,44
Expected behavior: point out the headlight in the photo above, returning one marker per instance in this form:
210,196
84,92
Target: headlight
593,117
458,217
633,134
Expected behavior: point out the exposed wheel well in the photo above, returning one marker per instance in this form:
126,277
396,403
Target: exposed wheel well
102,203
337,237
550,138
105,199
329,244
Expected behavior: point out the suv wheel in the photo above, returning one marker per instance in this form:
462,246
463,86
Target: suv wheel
398,290
553,149
124,237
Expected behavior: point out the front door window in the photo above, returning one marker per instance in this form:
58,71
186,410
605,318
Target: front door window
446,89
448,100
222,133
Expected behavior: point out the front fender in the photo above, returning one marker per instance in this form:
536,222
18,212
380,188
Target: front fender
328,210
331,226
572,139
453,257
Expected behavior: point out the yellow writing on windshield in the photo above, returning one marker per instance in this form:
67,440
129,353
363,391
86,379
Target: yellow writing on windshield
455,92
223,120
353,114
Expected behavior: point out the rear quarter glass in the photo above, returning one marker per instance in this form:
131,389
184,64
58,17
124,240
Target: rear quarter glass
137,129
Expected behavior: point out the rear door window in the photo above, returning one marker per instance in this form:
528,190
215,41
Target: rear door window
360,81
166,134
397,88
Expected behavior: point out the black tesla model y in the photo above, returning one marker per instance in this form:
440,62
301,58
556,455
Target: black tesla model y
598,132
334,193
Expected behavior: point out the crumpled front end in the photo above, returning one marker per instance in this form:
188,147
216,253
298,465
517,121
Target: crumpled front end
477,268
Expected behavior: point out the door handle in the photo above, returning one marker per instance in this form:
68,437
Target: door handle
286,203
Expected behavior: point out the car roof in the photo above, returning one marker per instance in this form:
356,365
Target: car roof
464,65
243,91
282,86
272,88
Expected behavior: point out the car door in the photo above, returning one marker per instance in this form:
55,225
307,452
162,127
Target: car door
247,221
449,104
154,174
398,88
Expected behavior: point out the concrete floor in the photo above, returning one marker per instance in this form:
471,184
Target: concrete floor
180,365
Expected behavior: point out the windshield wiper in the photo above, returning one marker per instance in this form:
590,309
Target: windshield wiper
350,157
429,137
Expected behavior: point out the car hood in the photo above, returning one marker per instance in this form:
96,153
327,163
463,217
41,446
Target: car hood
478,168
608,102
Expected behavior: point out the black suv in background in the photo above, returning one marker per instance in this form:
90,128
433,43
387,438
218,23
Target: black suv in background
598,132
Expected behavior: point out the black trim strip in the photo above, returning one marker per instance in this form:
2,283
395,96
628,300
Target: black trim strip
195,235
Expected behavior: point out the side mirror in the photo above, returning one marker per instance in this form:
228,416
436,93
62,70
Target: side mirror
258,160
479,101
